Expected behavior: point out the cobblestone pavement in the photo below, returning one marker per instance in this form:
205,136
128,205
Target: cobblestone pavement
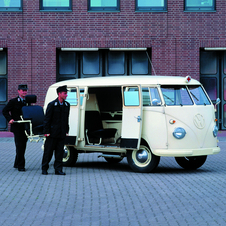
96,193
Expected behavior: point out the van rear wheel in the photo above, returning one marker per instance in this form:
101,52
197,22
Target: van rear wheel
70,156
191,163
142,160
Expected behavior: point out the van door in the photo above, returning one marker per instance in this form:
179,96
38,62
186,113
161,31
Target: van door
131,117
74,116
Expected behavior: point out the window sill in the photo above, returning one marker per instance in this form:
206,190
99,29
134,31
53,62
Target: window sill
10,10
200,11
55,10
103,11
151,11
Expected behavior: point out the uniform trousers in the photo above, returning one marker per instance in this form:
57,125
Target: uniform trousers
57,145
20,139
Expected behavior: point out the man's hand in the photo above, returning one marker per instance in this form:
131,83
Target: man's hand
11,121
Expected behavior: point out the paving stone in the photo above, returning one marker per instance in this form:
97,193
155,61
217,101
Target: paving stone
95,193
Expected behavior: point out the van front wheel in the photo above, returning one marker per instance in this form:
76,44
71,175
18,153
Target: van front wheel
191,163
70,156
142,160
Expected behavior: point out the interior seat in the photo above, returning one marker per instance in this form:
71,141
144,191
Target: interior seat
95,133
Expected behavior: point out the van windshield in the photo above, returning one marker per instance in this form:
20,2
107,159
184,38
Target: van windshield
198,95
176,95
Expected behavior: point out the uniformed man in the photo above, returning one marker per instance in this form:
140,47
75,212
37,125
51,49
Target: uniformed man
12,112
56,126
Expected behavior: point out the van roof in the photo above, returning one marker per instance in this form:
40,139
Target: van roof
126,80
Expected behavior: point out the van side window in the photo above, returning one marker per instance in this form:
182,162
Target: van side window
131,96
151,97
146,97
176,95
155,98
72,97
81,96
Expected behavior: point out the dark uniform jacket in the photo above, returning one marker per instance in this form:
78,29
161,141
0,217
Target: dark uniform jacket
13,111
56,119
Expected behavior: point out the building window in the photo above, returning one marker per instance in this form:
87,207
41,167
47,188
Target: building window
59,5
90,64
154,5
3,62
3,86
11,5
200,5
102,62
103,5
139,64
116,63
67,64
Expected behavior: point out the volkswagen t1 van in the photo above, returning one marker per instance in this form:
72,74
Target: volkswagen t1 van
141,118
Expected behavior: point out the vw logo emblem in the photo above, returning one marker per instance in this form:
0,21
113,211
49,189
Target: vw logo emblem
199,121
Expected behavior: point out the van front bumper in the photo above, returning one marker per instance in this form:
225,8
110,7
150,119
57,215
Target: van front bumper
186,152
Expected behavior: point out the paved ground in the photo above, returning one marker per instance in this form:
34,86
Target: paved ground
96,193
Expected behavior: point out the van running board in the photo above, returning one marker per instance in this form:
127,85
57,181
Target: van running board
102,146
110,156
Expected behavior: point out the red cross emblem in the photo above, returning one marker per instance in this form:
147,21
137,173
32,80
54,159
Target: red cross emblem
188,78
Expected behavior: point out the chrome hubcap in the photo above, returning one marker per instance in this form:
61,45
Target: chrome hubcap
66,154
142,156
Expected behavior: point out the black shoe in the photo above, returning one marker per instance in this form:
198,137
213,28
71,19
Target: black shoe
15,167
44,172
57,172
21,169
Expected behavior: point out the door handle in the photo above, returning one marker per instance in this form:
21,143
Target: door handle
138,118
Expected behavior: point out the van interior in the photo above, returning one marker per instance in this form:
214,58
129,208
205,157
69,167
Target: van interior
103,116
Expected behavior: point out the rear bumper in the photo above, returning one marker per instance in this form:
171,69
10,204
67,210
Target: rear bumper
186,152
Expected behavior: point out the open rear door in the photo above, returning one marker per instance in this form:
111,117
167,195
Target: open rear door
74,116
132,117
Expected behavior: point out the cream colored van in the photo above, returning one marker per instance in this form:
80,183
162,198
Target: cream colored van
140,118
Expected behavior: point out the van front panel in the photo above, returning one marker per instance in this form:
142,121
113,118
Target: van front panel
190,121
198,123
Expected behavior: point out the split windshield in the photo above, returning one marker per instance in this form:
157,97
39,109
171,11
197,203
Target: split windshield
184,95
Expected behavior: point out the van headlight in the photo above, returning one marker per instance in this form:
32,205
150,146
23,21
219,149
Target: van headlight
179,133
215,131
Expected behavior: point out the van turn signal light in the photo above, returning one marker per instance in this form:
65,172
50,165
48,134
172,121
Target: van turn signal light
171,121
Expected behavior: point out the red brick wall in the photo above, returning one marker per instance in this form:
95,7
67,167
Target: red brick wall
31,38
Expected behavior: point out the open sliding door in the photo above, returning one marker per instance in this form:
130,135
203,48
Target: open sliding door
132,117
74,116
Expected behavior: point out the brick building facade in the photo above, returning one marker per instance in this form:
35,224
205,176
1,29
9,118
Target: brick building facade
31,39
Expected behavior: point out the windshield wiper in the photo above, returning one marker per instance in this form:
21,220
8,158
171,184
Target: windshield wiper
194,96
168,98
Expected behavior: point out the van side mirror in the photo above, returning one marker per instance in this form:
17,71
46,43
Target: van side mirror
217,102
156,102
